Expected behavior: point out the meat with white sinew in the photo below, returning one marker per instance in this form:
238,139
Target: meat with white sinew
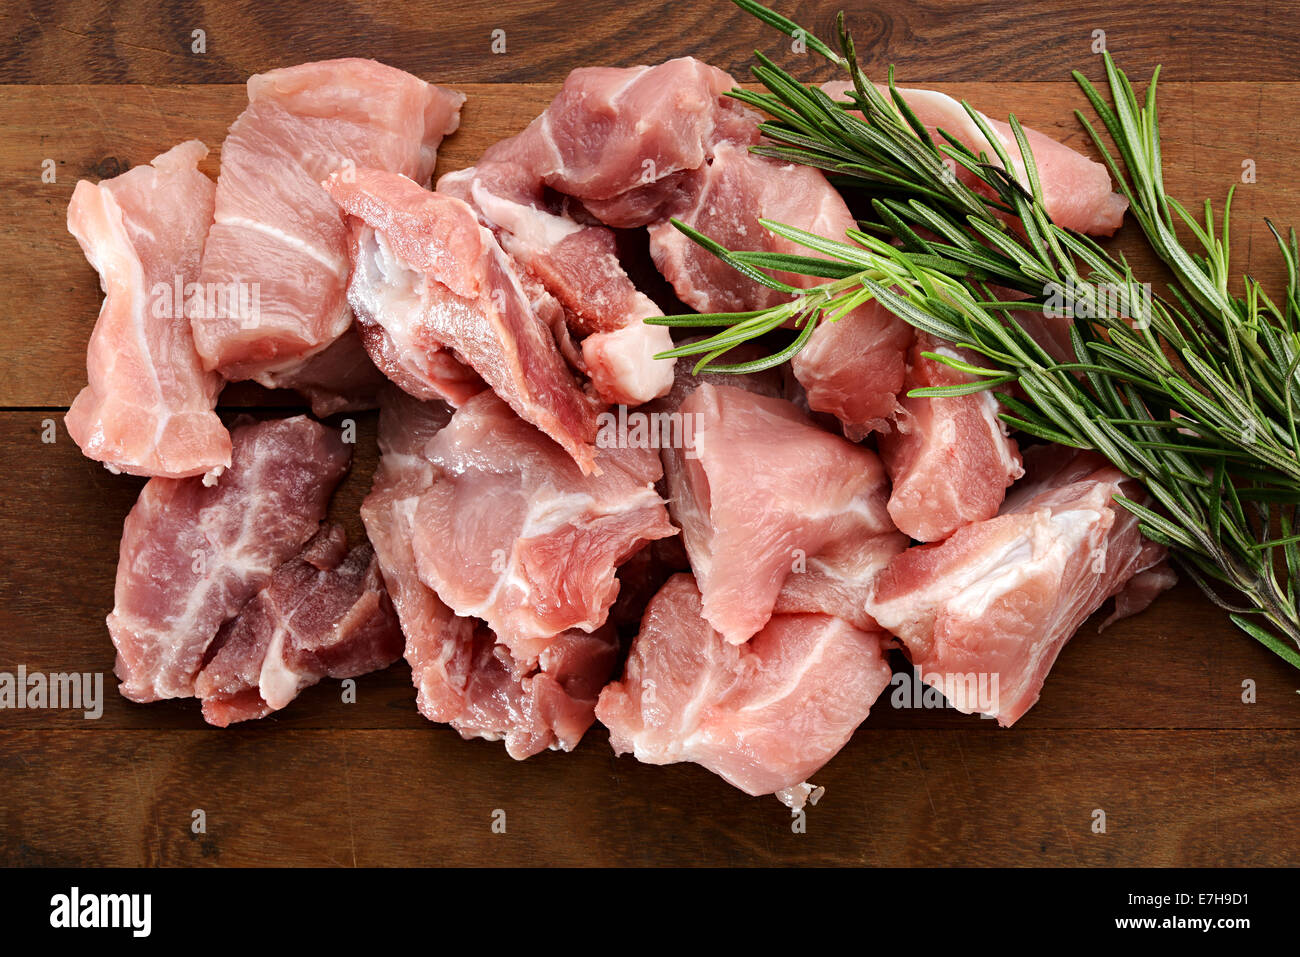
148,407
577,265
949,458
463,676
323,614
278,247
432,288
776,513
765,715
193,554
620,141
985,613
510,531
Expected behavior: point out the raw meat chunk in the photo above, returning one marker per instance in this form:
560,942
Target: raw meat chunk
985,613
429,279
463,676
765,716
950,459
279,246
323,614
510,531
148,407
193,554
851,368
617,138
775,511
577,264
476,686
724,199
1076,190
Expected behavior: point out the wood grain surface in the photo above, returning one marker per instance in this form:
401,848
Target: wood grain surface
1144,721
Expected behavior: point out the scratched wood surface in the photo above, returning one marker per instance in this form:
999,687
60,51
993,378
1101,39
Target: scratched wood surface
1144,721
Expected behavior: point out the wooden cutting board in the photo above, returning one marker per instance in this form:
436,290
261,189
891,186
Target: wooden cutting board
1144,722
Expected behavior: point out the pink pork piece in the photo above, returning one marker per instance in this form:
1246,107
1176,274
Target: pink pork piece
950,459
577,265
622,142
148,407
463,676
765,716
323,614
853,368
277,256
434,293
724,200
776,513
192,555
510,531
985,613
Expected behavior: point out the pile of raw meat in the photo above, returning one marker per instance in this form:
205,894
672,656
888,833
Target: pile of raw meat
562,528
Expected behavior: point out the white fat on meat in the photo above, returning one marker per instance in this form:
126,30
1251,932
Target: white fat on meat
622,364
433,281
526,227
985,613
390,300
619,361
192,555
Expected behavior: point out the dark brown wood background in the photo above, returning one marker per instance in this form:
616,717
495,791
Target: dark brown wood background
1144,721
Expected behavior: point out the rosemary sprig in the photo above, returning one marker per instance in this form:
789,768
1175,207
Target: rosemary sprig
1194,393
